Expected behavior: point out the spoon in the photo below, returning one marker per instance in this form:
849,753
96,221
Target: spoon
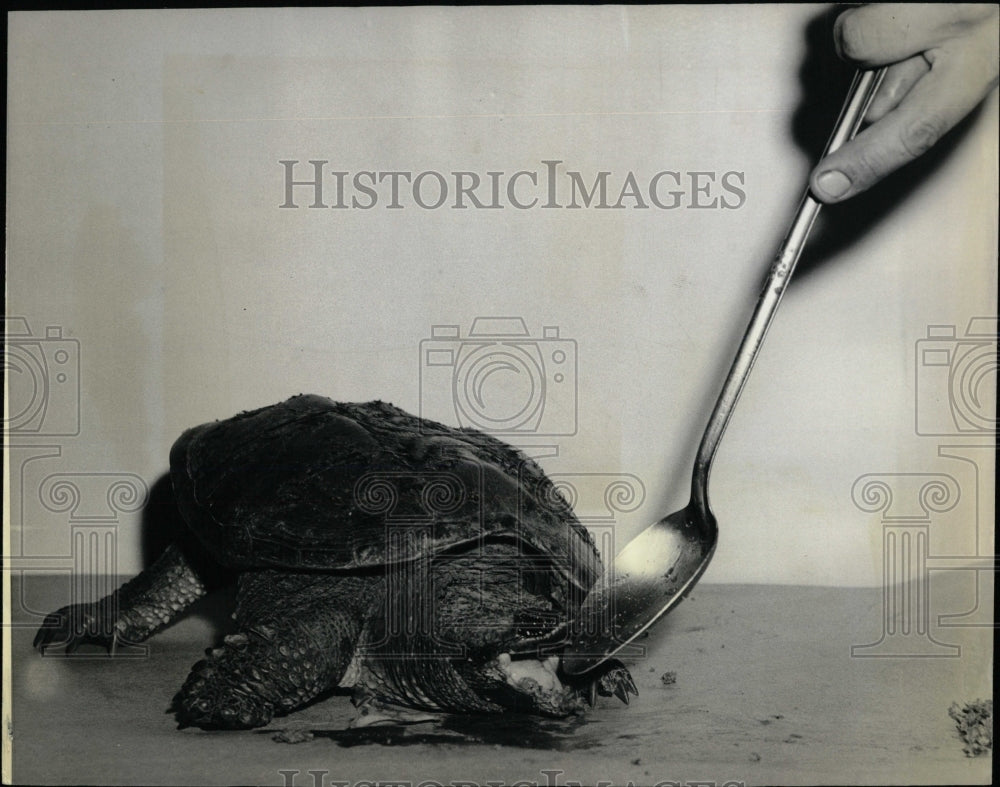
656,569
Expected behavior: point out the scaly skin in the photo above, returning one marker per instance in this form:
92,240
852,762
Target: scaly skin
130,614
426,638
298,633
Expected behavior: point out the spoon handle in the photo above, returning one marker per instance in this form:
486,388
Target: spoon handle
858,100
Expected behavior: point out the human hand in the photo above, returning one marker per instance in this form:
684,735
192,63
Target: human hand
943,60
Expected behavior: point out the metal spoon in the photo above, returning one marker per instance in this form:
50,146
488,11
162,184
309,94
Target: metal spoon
656,569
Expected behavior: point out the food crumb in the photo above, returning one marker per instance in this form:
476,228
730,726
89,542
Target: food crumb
637,761
975,726
754,757
668,678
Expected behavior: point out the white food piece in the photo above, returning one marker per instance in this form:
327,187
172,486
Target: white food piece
541,672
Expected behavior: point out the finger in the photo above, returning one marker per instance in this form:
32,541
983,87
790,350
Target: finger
898,81
931,108
882,33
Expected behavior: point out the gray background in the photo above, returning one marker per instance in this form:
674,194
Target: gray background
143,219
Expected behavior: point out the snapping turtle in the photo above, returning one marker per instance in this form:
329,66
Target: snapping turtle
370,549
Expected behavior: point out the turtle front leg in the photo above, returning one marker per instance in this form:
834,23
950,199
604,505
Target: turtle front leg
298,634
130,614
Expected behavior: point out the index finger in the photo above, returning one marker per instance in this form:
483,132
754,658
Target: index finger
883,33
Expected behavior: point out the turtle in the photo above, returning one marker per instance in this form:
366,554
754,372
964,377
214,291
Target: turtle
371,549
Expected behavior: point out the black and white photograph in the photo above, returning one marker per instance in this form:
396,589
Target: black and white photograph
501,395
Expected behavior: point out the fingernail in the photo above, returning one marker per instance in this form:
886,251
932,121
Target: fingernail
833,183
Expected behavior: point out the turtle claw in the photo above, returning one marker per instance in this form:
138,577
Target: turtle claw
618,682
71,627
55,630
47,632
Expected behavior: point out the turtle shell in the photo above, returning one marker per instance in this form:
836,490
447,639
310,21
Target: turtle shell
313,484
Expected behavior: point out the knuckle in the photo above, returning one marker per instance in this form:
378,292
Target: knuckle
869,165
920,135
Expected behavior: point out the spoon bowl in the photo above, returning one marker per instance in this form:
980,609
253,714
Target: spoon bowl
651,575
